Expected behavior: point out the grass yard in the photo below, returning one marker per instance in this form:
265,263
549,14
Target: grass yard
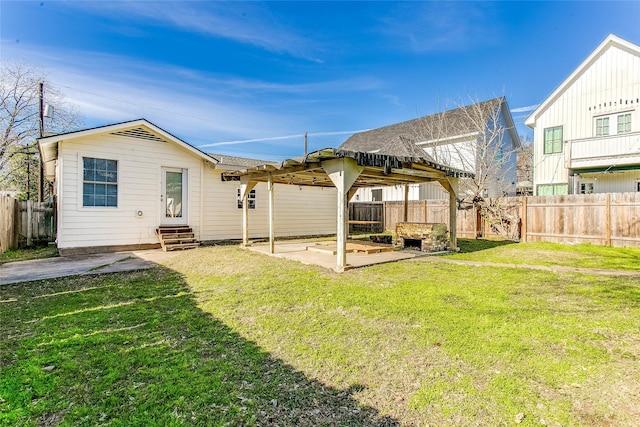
224,336
550,254
39,252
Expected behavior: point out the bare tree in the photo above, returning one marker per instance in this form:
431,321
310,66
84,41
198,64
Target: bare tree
20,116
477,138
525,161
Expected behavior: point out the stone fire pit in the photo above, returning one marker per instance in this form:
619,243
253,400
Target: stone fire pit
425,236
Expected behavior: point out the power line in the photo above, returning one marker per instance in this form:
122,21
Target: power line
277,138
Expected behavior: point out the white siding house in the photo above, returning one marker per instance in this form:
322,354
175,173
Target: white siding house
479,138
115,185
587,132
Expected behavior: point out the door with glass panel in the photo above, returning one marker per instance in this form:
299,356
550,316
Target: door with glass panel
173,199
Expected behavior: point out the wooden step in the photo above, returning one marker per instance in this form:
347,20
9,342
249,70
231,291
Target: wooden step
176,238
180,246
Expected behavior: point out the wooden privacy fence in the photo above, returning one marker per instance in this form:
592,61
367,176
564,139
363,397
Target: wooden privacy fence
602,219
23,223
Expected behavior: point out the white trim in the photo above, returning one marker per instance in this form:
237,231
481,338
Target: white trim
611,40
184,219
55,139
80,179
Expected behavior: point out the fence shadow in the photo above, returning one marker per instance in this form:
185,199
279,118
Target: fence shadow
476,245
140,351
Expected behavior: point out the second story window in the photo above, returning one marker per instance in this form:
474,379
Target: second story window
612,124
553,140
602,126
624,123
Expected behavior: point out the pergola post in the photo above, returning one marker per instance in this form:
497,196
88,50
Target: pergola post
271,209
452,186
343,173
245,188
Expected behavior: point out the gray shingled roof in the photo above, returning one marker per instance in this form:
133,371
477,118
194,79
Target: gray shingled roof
242,162
447,124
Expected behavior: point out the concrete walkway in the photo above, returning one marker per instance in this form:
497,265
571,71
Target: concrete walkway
48,268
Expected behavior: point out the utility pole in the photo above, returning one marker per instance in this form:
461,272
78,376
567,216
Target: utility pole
305,143
41,129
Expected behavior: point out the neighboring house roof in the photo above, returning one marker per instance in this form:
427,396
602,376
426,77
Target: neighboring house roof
441,127
140,128
609,42
233,162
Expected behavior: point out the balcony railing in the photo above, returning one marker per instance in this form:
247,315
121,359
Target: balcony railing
597,152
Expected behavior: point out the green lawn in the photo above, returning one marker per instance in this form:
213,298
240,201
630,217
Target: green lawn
39,252
223,336
542,253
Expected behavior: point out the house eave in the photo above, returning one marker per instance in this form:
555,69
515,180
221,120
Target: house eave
611,40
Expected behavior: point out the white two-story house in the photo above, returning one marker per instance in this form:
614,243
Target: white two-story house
479,138
587,132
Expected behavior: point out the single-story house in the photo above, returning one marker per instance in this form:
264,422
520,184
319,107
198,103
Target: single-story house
116,185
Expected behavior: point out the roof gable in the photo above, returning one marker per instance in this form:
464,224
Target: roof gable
608,43
443,127
141,129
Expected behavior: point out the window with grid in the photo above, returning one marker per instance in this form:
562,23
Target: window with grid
553,140
624,123
251,199
99,182
602,126
586,188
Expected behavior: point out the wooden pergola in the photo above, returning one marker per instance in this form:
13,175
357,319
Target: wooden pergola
347,171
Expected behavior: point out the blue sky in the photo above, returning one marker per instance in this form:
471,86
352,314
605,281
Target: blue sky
249,78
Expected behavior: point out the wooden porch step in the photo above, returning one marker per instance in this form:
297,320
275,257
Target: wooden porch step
176,238
181,246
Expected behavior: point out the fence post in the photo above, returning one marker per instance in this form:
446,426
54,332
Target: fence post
424,202
607,241
523,223
29,223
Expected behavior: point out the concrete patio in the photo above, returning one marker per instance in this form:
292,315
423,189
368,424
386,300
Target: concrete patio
313,253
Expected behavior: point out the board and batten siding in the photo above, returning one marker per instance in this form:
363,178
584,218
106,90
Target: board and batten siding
298,211
140,162
612,77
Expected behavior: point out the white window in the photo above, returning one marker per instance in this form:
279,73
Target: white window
251,199
624,123
553,140
586,188
99,182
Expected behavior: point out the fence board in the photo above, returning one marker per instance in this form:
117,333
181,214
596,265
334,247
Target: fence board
7,220
18,228
577,218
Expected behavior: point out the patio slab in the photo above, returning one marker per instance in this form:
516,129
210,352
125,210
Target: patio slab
297,251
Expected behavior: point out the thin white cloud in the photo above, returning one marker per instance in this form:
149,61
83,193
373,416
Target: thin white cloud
244,22
524,109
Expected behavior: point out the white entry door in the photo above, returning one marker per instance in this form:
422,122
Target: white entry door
173,200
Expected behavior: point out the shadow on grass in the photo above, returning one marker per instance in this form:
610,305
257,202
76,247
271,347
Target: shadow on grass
476,245
135,349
